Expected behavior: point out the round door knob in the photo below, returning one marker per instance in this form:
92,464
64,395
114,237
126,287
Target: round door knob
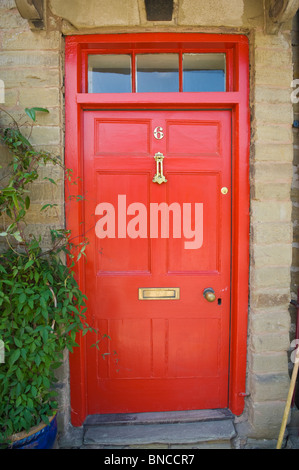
209,294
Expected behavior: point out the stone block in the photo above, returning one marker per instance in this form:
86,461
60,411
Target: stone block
268,362
219,13
30,77
46,192
49,216
29,59
277,276
267,57
42,135
99,13
40,97
28,40
265,418
274,152
272,191
269,233
270,211
10,100
272,255
272,134
11,19
274,171
269,387
268,112
277,41
269,321
265,94
268,298
270,342
274,76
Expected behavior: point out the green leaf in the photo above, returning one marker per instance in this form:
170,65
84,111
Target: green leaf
46,382
37,360
19,375
24,140
48,205
22,298
15,201
28,264
24,354
45,335
31,112
27,202
27,416
43,110
45,419
18,401
14,357
50,179
30,403
18,343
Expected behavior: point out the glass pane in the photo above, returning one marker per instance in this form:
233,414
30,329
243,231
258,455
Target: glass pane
157,72
109,73
203,72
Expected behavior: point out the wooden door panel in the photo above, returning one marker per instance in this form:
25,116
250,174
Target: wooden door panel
112,251
114,137
188,137
191,253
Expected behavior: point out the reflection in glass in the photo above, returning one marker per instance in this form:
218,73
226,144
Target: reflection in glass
157,73
203,72
109,73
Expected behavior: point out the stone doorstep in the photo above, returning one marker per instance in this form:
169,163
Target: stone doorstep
150,434
152,429
158,417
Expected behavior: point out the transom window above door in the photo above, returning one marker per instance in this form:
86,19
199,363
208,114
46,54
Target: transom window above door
156,72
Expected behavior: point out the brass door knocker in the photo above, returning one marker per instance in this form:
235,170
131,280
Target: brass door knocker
159,177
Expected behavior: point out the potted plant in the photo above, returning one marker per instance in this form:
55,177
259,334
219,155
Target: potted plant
42,308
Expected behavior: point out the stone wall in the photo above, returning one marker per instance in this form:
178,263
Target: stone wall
31,65
271,230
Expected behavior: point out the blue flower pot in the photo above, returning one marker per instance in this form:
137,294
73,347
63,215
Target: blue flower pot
40,437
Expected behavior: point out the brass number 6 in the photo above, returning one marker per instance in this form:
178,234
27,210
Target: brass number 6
158,133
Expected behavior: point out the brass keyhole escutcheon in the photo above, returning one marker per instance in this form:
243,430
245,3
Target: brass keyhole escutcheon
209,294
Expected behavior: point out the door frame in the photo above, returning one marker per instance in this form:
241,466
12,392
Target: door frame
235,98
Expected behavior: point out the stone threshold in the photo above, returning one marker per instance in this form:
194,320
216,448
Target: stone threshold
180,429
163,417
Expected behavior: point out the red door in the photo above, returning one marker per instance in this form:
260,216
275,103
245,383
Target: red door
146,273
